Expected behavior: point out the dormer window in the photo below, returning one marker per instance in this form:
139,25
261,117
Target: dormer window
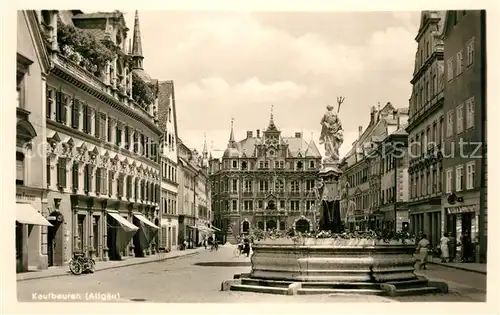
299,165
244,165
235,164
311,164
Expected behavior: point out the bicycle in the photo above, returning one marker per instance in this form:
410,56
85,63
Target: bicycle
80,264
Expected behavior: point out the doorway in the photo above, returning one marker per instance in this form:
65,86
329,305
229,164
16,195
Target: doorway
467,223
246,226
169,239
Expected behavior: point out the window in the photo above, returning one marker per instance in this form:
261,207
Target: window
449,178
61,173
279,186
282,204
75,176
244,165
49,102
299,165
434,181
248,205
450,69
429,183
235,205
309,204
19,168
282,164
235,185
460,118
449,124
61,107
470,104
310,184
471,175
111,178
97,120
100,183
261,204
248,186
87,118
459,178
294,205
434,84
75,114
263,185
118,135
460,62
435,134
294,186
87,178
311,164
235,164
470,52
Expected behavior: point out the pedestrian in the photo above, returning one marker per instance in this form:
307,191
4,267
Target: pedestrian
423,252
466,247
453,247
444,246
205,242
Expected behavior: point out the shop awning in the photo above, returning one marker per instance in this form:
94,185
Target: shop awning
127,226
145,221
27,214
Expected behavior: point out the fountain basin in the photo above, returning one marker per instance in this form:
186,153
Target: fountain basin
312,266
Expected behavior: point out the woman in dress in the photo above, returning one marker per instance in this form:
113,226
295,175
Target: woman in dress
423,251
445,252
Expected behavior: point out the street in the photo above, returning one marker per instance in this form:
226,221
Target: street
197,278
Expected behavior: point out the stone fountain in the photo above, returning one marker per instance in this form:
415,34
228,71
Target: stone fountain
333,265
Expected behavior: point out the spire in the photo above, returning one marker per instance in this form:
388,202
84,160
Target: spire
272,126
231,136
136,44
205,151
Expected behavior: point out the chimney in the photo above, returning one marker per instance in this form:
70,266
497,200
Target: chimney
249,134
360,131
372,115
399,121
258,133
298,135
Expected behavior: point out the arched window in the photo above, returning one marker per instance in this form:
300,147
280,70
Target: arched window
279,185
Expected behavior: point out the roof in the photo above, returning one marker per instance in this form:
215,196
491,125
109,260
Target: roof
165,92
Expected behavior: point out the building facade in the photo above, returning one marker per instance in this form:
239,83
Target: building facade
102,163
33,65
368,173
187,172
426,129
465,124
169,165
265,181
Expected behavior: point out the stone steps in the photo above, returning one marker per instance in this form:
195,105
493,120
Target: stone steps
341,285
306,291
416,283
417,291
259,289
266,283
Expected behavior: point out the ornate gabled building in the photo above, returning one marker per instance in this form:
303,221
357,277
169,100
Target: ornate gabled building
426,129
167,115
265,181
365,167
102,130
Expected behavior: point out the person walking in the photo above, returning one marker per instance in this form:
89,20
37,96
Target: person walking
453,247
444,246
423,252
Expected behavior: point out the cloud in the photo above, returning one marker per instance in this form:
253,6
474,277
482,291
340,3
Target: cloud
235,65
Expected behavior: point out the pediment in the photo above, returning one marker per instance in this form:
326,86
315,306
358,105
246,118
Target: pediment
357,191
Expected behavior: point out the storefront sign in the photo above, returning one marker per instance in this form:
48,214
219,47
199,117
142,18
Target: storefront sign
461,209
23,196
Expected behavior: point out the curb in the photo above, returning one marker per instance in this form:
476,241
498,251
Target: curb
458,267
112,267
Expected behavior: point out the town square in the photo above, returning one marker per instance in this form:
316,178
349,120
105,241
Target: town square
241,157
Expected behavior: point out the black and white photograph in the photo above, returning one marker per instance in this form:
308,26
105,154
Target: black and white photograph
246,156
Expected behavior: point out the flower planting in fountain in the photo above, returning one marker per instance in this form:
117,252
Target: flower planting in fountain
325,238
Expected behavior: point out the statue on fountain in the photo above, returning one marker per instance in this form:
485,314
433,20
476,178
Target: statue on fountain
332,134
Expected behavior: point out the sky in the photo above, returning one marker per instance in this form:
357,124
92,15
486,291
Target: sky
237,64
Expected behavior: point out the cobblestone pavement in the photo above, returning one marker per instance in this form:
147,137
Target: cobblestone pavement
198,278
176,280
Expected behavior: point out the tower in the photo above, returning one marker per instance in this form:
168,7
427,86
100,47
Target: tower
137,55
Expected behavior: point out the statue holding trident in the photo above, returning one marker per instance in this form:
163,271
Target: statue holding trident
332,134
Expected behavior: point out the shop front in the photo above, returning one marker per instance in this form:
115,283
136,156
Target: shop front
143,239
28,235
120,232
426,218
461,220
